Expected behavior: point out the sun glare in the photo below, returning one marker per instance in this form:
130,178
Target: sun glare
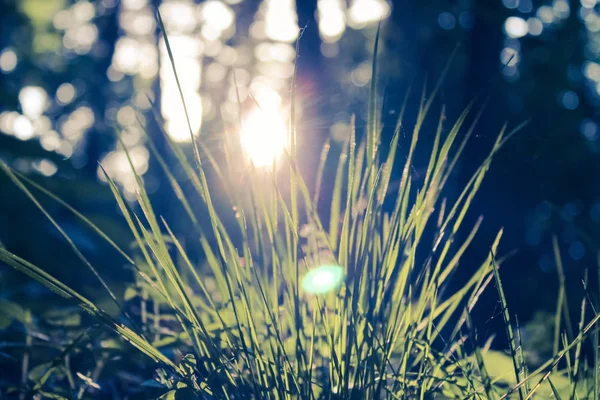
263,136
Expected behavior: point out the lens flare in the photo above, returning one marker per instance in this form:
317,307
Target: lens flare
323,279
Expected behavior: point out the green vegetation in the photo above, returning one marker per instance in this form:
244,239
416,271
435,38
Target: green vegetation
241,325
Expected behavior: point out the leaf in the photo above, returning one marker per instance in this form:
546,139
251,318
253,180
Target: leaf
53,396
111,344
181,393
10,312
554,390
63,317
36,373
130,293
88,380
170,395
188,364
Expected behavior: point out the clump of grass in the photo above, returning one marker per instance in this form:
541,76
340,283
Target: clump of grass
242,326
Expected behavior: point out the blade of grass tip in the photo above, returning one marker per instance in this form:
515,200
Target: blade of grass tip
561,302
539,383
358,164
284,208
372,123
358,203
515,130
391,157
596,342
405,181
521,356
142,195
70,242
98,314
453,263
442,168
596,339
433,159
172,61
569,367
173,181
423,111
463,144
232,146
478,282
471,188
180,155
555,392
578,347
293,97
181,158
321,169
587,381
368,221
509,330
344,247
217,269
336,198
206,152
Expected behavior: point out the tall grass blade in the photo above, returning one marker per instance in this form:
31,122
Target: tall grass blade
509,330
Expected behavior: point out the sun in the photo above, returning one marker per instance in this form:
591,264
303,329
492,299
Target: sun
264,136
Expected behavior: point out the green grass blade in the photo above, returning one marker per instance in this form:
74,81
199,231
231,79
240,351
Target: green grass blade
562,306
509,330
372,134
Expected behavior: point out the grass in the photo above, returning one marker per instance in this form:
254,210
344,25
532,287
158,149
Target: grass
242,326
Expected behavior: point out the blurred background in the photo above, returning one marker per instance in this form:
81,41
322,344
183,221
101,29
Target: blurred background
74,72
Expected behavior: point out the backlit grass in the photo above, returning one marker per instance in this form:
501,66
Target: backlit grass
293,303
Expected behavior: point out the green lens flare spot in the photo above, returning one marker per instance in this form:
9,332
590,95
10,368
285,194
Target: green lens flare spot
323,279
